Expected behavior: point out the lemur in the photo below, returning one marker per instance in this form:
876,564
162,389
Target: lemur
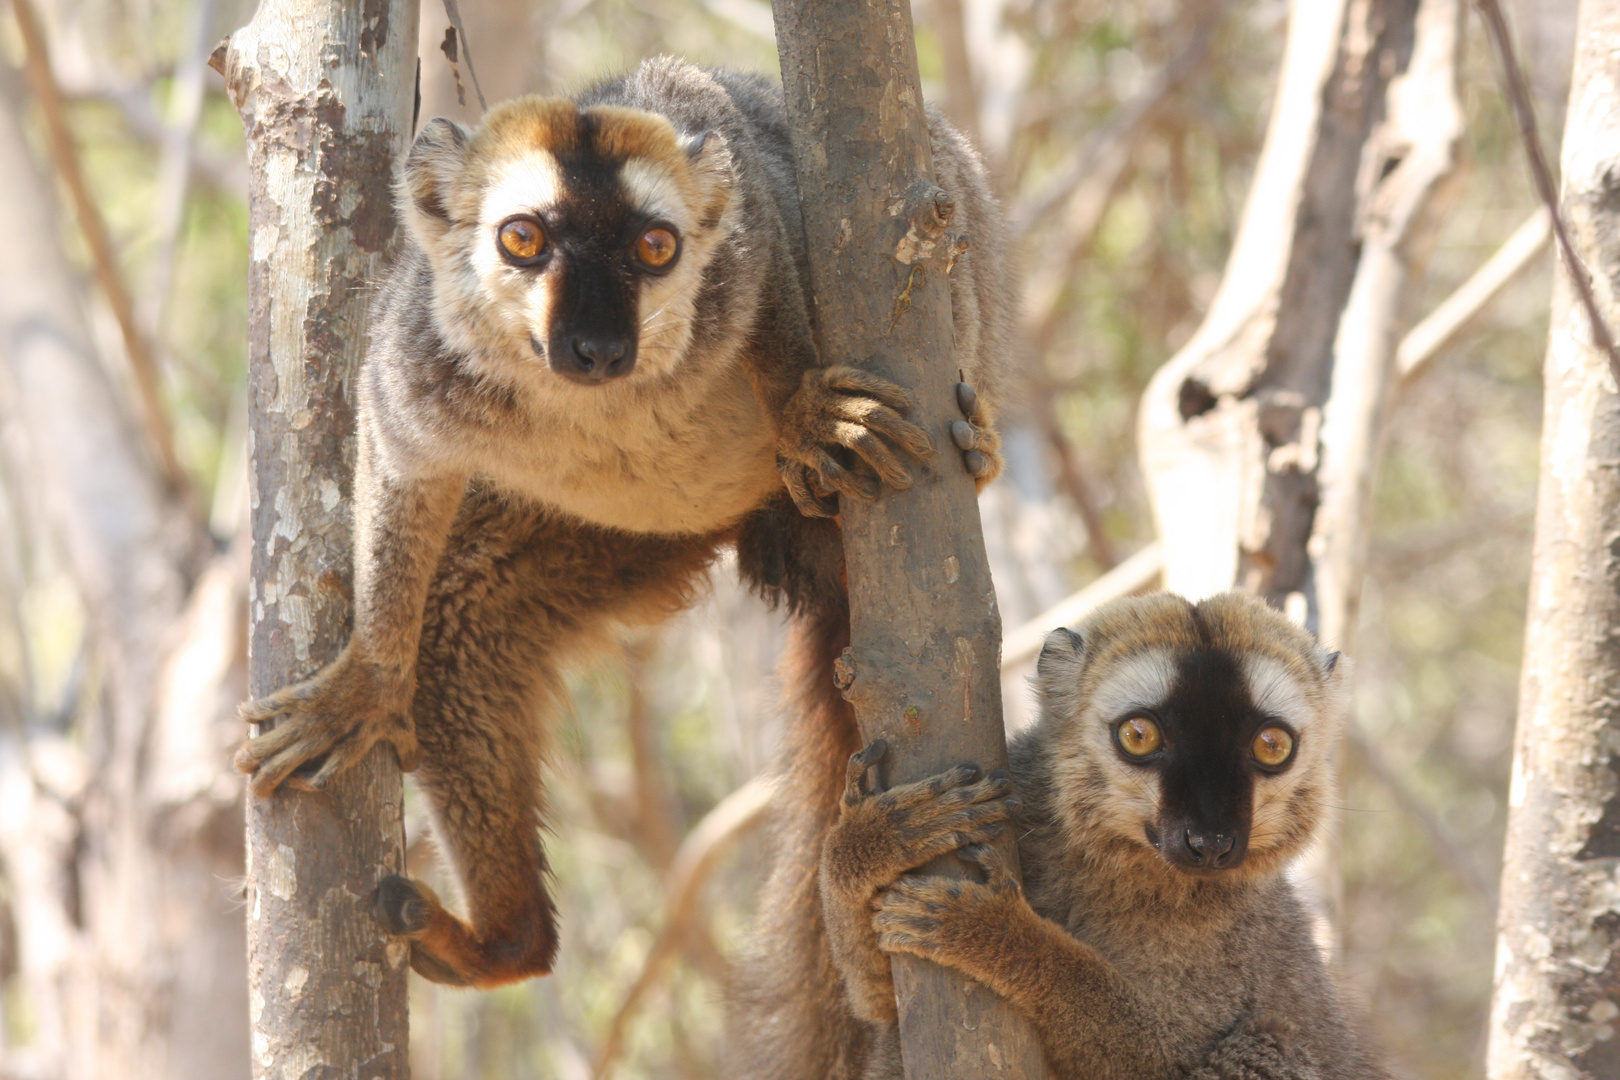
591,368
1180,760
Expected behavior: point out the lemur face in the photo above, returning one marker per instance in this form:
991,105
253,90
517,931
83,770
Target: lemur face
574,241
1200,732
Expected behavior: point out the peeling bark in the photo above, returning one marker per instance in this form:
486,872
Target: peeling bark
1260,439
326,92
922,670
1557,995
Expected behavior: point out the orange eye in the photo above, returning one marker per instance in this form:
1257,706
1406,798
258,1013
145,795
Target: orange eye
1273,746
522,239
1139,736
657,248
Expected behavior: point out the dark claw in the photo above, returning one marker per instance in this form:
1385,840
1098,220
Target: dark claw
962,434
976,463
967,399
401,907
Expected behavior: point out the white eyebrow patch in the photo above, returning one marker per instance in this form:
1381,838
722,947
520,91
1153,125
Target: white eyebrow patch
650,188
524,185
1141,681
1274,689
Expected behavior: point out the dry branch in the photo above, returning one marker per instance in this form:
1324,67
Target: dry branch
325,90
104,261
1524,111
696,858
1440,327
1271,411
921,668
1133,575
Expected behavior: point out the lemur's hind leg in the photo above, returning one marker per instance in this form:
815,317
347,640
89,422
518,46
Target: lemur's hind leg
518,591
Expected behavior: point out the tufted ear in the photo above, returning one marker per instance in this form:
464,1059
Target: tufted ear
431,168
1062,647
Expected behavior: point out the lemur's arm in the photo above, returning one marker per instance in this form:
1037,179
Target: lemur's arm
824,413
880,835
1089,1020
403,509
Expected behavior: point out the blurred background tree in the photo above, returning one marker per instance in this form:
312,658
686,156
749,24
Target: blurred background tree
1123,135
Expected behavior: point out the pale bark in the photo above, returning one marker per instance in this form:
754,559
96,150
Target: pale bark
922,667
1558,951
326,91
1234,429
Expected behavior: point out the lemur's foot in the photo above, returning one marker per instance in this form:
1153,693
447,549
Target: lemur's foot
949,919
843,432
975,437
324,725
444,949
880,835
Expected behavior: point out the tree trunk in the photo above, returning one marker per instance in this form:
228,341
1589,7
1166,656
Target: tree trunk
325,90
1259,440
922,669
1558,950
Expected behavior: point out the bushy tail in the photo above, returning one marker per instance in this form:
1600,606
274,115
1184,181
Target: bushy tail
787,1018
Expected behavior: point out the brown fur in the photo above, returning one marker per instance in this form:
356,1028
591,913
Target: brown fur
1128,967
511,513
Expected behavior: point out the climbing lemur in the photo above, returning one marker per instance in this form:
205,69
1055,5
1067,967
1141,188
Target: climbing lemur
1180,760
591,368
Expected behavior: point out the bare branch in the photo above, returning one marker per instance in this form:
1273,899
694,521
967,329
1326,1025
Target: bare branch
689,871
1092,155
1133,575
1429,338
65,155
1524,112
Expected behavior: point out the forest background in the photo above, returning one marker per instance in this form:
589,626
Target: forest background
1133,127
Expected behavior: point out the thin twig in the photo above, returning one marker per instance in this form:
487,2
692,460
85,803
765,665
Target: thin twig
1530,135
186,94
688,872
1133,575
1072,476
1098,169
1121,127
454,12
1441,326
65,156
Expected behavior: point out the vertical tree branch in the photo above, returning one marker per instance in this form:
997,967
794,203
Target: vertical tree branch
325,90
1558,950
925,636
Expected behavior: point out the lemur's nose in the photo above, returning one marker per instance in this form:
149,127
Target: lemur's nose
601,358
1211,849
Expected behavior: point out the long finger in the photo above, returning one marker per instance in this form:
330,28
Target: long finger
855,380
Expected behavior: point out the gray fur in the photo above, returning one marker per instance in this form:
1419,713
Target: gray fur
507,519
1129,968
